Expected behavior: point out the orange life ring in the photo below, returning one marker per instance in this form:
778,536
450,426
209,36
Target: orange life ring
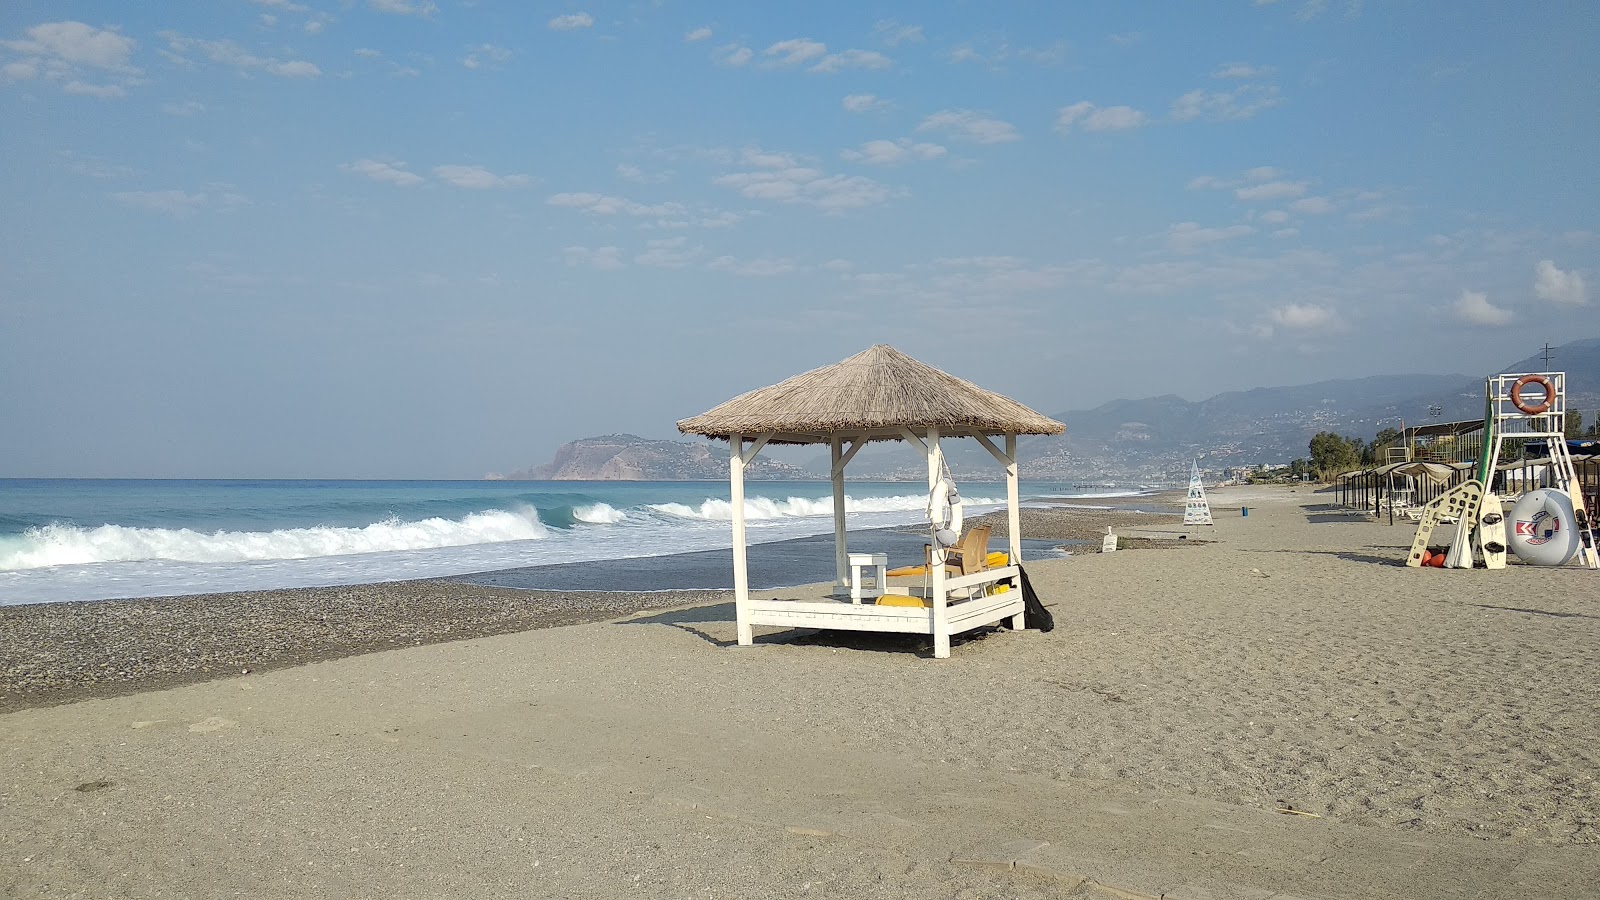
1524,381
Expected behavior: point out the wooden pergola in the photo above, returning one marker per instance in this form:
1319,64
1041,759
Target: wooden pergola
879,394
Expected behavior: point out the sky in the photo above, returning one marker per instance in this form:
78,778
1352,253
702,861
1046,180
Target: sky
439,238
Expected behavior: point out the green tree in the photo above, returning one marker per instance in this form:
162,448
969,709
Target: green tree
1332,454
1573,426
1369,454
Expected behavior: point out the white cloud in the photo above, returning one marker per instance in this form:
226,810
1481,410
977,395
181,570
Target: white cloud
478,178
964,53
603,258
1302,316
1272,190
1242,70
1311,10
486,55
894,34
295,68
852,59
422,8
781,178
94,167
993,276
1187,237
75,56
229,53
732,55
1053,55
1242,102
698,34
1263,173
1208,182
1275,217
1474,308
77,44
722,219
571,22
186,108
1092,118
393,173
971,126
172,203
794,51
1313,206
768,160
604,205
103,91
1556,286
860,103
758,268
668,253
631,172
888,153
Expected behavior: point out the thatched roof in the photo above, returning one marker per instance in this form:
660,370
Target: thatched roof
873,395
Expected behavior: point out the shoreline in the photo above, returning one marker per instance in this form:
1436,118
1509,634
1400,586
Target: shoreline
58,653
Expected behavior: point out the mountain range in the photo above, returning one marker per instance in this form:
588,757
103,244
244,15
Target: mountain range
1147,440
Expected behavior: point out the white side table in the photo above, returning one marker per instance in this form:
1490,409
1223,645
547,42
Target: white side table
867,576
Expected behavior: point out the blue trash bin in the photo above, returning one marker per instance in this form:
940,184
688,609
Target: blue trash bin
1244,511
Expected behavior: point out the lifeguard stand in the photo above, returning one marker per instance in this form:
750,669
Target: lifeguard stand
1521,406
1533,406
1196,511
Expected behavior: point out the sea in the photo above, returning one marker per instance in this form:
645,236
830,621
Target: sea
97,539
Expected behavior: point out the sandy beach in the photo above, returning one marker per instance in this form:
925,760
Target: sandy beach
1278,709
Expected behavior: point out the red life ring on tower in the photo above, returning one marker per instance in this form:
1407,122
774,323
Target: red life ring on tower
1540,380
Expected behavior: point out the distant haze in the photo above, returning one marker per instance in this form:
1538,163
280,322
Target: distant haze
332,238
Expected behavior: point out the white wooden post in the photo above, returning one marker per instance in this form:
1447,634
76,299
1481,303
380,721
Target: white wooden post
941,615
741,572
1014,518
841,574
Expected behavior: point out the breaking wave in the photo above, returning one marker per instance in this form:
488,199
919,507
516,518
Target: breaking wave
599,514
64,544
762,508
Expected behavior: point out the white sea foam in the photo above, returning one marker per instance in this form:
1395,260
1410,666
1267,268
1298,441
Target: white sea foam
599,514
762,508
61,544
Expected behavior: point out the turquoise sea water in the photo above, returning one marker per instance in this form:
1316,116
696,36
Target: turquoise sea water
90,539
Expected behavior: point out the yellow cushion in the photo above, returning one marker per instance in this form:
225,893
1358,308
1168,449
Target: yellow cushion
901,600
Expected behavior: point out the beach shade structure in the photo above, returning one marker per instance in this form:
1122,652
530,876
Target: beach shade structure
880,394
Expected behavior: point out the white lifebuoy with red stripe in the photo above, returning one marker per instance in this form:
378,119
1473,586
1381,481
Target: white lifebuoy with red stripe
1544,528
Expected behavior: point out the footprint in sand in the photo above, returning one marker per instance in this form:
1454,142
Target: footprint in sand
215,723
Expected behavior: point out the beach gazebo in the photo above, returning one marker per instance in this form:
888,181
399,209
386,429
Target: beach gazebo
879,394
